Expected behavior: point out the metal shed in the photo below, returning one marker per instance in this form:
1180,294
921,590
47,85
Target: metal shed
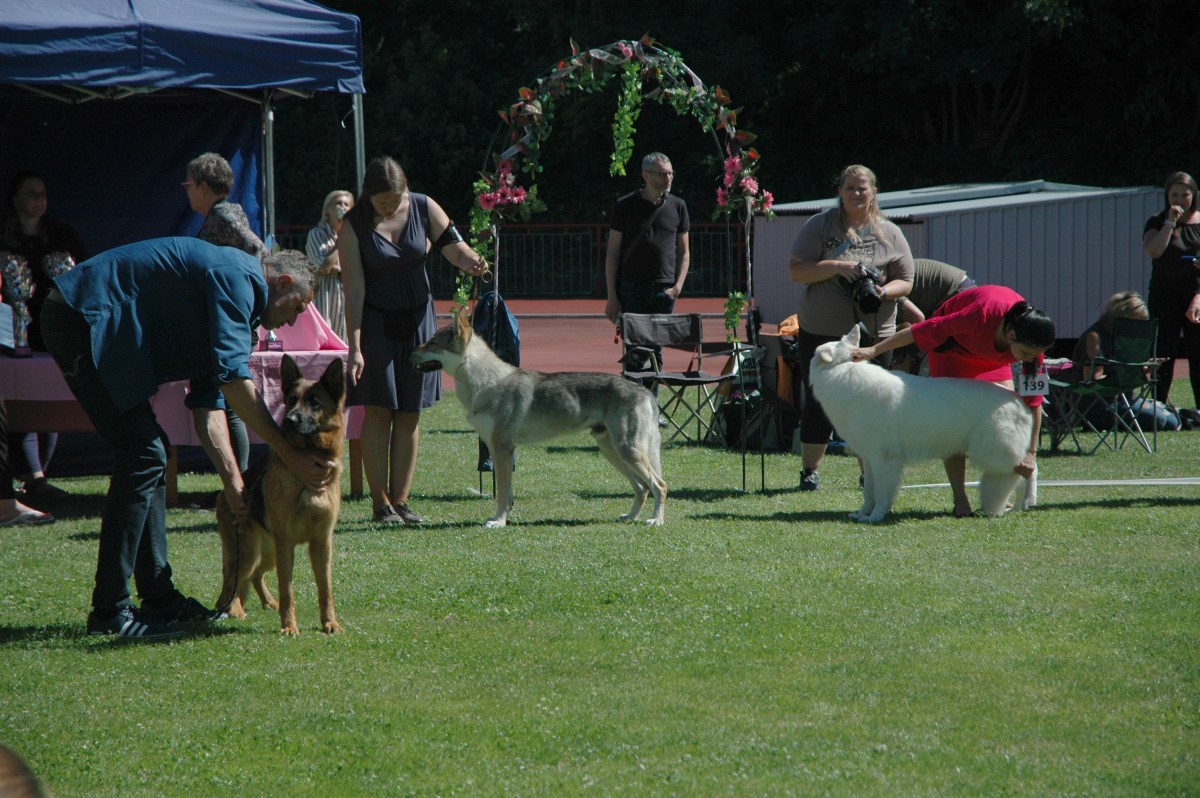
1064,248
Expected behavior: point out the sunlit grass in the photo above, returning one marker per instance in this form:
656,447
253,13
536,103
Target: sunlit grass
758,644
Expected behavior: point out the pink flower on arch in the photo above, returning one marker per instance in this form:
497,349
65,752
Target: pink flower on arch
768,199
625,49
733,165
722,197
487,201
749,185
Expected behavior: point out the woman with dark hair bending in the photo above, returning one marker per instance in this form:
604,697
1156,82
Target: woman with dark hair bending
978,334
1174,296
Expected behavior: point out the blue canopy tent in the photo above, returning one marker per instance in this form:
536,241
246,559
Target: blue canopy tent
109,100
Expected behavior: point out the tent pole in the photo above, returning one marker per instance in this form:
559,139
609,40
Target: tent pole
360,149
269,168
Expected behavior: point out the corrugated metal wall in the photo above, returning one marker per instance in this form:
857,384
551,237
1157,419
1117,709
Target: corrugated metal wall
1065,255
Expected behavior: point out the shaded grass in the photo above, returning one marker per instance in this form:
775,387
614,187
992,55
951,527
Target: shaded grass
759,644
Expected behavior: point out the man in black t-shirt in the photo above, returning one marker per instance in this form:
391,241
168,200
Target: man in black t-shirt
648,253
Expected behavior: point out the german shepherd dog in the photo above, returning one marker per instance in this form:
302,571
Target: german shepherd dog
283,512
507,405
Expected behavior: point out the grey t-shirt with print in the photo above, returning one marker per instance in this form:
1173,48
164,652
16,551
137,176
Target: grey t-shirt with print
827,307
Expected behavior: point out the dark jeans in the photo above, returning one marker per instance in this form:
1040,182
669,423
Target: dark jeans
644,296
133,527
239,438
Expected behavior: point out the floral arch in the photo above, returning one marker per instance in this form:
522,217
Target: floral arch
508,191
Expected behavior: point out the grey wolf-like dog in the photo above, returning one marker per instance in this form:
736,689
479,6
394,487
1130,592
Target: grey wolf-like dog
891,418
508,406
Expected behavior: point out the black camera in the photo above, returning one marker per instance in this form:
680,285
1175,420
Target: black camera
867,290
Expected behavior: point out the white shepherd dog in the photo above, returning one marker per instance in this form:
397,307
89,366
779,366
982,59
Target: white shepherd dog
890,418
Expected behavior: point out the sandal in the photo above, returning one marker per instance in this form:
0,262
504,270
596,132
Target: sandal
29,517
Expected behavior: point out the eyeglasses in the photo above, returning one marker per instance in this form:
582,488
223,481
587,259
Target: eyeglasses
657,172
187,183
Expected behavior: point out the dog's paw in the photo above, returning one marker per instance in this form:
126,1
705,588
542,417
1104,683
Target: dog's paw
654,522
332,628
290,631
496,523
236,610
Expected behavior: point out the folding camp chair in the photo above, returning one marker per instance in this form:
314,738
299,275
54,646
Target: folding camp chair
690,399
691,395
1130,376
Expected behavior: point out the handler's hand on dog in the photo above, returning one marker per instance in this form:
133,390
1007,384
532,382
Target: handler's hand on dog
313,472
862,353
1024,469
236,505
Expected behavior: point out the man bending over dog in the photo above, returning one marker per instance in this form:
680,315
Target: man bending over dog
126,321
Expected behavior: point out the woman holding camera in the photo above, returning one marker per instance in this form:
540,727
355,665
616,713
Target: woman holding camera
855,266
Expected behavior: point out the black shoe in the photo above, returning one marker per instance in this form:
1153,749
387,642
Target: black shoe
126,624
809,480
407,515
387,515
41,488
178,610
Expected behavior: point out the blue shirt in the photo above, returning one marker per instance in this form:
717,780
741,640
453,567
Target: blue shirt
169,309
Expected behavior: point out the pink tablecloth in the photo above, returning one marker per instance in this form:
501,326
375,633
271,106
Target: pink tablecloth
39,398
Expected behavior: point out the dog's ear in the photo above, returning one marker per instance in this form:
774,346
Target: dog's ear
852,337
463,330
289,372
824,354
334,379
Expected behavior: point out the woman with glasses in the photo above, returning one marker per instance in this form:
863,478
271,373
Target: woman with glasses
209,181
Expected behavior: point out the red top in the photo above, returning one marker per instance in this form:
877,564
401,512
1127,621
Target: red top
960,336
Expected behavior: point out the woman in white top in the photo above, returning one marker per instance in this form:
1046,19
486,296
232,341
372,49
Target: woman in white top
330,300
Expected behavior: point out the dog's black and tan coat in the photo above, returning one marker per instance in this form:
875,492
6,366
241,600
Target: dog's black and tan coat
283,512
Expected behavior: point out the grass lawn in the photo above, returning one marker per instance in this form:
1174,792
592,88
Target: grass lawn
758,644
